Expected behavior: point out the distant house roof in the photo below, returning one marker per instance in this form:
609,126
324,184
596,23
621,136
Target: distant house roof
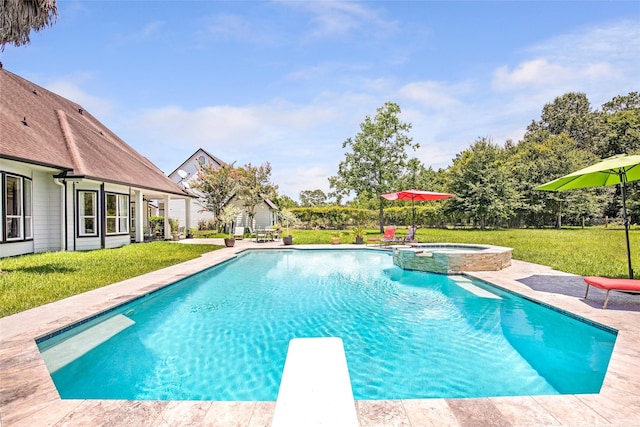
271,204
193,156
39,127
266,201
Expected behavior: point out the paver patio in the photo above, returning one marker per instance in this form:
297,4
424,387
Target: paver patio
28,396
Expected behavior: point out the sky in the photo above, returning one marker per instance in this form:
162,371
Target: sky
287,82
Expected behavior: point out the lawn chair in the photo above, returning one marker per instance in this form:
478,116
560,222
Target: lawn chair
261,235
409,238
238,232
389,236
411,235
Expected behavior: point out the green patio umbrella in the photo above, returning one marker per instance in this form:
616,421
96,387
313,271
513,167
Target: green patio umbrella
614,170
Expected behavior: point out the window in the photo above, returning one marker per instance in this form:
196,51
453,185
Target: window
28,221
117,213
18,220
87,213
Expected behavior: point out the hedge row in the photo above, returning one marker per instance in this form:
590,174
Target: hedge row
344,217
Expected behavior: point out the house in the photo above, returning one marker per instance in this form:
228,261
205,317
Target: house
266,214
185,175
68,182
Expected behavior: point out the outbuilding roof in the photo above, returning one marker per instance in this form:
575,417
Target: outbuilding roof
40,127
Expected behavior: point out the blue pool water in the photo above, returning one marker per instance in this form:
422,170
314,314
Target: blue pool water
223,334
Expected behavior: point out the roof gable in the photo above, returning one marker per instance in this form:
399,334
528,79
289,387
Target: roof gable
191,163
38,126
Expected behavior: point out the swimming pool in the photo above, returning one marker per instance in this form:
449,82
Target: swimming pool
223,334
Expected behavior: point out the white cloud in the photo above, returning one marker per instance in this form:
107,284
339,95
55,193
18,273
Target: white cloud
618,41
433,95
226,27
340,18
148,31
594,60
70,88
540,72
536,72
293,178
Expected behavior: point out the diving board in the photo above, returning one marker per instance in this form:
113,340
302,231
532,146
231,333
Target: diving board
315,389
65,352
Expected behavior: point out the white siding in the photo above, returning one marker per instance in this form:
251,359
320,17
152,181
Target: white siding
117,241
16,248
263,218
177,207
46,199
47,213
177,210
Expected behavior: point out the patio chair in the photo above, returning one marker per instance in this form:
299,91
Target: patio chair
409,238
411,235
238,232
389,236
261,235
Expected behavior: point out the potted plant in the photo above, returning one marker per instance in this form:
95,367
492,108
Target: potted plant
289,219
175,231
156,226
335,238
358,232
229,213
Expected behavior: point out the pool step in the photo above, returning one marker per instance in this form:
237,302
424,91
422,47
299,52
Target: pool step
69,350
466,284
315,389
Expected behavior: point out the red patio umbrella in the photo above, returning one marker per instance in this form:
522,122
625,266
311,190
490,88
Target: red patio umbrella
415,195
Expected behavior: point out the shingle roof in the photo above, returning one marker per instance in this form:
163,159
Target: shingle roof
39,127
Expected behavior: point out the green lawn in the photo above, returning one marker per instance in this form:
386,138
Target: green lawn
594,251
32,280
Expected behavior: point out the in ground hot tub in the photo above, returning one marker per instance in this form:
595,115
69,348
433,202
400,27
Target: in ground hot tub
451,258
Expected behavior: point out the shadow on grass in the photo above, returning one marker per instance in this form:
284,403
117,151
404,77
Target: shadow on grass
574,286
43,269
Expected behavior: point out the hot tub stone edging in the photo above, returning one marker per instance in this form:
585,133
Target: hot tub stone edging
426,257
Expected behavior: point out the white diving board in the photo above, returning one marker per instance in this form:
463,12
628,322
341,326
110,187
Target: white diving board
60,355
315,389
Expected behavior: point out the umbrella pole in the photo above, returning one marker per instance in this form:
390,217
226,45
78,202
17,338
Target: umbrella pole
625,219
413,214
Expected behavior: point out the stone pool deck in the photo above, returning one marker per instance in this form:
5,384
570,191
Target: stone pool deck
29,398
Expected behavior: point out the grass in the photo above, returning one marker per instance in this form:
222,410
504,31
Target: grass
32,280
593,251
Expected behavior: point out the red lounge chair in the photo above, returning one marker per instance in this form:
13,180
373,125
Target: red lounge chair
611,285
389,235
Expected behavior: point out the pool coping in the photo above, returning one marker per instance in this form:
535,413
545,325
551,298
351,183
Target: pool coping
29,397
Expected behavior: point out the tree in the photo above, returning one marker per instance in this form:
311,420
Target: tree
540,158
571,113
622,133
255,186
483,187
622,103
621,123
285,202
19,17
378,157
419,177
313,198
215,187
